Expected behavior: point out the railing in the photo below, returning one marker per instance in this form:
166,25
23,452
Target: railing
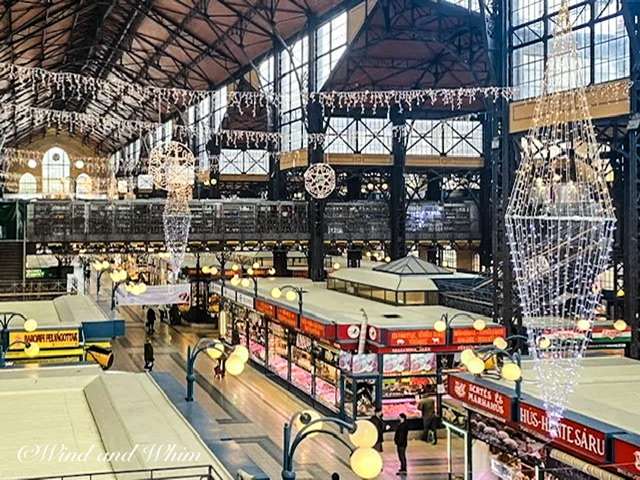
141,220
200,472
32,289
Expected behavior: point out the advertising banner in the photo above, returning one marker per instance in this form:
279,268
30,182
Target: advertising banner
156,295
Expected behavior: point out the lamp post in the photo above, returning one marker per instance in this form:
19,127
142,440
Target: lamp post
235,359
30,325
118,277
445,322
245,281
365,461
293,292
101,267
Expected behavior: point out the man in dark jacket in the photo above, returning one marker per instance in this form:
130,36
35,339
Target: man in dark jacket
400,439
151,320
427,407
380,426
148,354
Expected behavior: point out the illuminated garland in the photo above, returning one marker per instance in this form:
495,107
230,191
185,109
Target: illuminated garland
13,157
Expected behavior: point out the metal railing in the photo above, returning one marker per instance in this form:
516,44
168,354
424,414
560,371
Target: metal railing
199,472
32,289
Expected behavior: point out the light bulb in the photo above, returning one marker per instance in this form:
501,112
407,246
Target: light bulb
500,343
479,325
79,164
234,365
440,326
467,355
366,434
291,295
387,259
272,271
511,371
276,292
366,463
620,325
32,163
475,366
336,266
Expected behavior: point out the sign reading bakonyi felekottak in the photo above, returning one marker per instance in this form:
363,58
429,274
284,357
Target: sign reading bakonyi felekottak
46,339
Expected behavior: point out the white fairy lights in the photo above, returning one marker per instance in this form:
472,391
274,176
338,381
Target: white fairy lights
320,180
560,222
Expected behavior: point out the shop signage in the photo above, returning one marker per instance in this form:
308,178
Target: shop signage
471,336
287,317
266,308
217,288
317,329
415,338
480,397
585,441
626,453
244,299
45,339
229,293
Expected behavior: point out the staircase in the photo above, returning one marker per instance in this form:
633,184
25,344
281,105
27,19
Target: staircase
11,261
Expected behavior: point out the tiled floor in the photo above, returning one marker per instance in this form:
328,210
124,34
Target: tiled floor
251,410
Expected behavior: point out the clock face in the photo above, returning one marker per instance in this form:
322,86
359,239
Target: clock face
56,157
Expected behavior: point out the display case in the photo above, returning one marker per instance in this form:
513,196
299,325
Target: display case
302,364
327,375
257,338
278,352
405,376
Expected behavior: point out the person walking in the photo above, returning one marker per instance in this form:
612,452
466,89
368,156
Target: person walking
427,407
380,427
148,355
401,440
163,314
151,320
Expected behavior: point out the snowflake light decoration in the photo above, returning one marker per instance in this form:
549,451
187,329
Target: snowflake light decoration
320,180
560,222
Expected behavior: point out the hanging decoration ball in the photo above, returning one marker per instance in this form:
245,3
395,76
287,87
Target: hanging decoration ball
32,163
172,166
320,180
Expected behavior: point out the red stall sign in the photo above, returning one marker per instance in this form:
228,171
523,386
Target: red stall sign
580,439
266,308
626,453
480,397
287,317
318,329
471,336
415,338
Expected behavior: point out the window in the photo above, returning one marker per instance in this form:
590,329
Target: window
331,42
28,184
56,169
84,184
249,162
611,49
449,258
475,262
293,65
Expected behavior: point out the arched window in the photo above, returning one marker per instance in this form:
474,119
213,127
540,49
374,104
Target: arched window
449,258
28,184
83,184
56,169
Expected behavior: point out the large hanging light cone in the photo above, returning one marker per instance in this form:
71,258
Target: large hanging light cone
560,222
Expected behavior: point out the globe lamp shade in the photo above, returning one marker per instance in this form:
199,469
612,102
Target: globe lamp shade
234,365
276,292
366,463
32,350
479,325
216,350
365,436
511,371
620,325
476,366
291,295
466,356
30,325
500,343
440,326
242,352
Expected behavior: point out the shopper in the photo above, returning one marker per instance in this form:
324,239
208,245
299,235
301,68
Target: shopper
380,426
148,355
427,406
400,439
163,313
151,320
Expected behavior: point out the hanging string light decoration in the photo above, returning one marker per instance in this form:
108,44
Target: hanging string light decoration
320,180
172,167
560,222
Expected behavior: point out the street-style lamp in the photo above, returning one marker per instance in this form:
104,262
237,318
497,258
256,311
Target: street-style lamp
118,277
30,325
101,267
445,322
249,279
234,358
292,292
365,461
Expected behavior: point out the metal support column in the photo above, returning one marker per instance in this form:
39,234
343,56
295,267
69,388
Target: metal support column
398,203
273,125
486,220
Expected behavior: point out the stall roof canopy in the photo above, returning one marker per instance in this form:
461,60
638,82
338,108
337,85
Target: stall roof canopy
411,265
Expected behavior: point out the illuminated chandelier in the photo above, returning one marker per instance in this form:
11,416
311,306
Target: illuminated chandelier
172,167
560,222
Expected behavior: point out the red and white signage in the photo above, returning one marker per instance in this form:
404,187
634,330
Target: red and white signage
471,336
481,398
626,453
580,439
415,338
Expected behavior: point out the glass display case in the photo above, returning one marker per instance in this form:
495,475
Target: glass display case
406,376
278,352
257,338
327,375
302,364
